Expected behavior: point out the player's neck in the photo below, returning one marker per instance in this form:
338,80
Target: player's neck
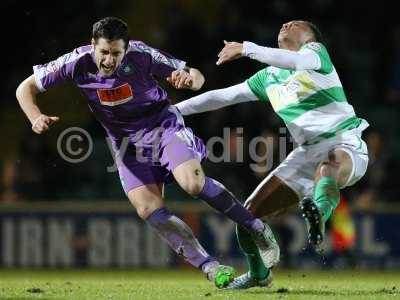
290,45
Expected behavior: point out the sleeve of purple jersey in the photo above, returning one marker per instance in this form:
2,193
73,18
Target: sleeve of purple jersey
162,64
56,71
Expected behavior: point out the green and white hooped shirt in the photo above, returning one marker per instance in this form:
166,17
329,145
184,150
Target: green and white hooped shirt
312,103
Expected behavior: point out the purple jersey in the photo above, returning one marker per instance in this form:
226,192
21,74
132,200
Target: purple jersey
127,101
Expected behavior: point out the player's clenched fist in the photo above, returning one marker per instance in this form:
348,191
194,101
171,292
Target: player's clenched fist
231,51
180,79
42,123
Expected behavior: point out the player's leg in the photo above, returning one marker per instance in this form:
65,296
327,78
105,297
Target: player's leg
149,204
276,193
343,167
280,190
142,184
181,154
329,177
270,198
191,178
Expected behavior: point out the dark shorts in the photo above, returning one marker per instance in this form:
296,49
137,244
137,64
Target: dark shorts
152,155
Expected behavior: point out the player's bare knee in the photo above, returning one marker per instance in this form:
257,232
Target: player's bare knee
344,173
339,156
193,186
190,177
144,211
323,169
344,164
146,199
192,181
326,169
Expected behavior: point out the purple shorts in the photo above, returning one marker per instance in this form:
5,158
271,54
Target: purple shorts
152,154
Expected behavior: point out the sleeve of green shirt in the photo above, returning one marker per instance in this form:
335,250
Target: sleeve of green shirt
258,83
326,63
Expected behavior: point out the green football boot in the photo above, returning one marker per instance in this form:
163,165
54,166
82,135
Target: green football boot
221,275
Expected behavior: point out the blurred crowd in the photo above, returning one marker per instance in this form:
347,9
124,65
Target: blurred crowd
366,54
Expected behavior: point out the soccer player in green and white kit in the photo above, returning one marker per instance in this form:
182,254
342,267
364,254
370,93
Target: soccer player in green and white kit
304,89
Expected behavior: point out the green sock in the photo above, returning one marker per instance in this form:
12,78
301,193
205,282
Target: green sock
256,265
326,196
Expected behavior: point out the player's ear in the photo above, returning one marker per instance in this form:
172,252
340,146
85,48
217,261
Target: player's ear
93,42
309,37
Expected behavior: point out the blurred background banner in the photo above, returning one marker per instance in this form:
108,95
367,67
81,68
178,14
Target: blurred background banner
364,43
86,236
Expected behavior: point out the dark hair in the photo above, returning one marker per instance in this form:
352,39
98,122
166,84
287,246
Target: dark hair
316,32
111,28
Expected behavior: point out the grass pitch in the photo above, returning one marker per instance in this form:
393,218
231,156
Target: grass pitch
187,285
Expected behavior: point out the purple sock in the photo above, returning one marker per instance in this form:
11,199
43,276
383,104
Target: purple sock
218,197
179,236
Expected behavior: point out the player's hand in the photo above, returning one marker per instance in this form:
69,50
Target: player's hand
42,123
180,79
231,51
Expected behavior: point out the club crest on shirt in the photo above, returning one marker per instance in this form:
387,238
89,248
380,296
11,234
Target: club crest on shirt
314,46
115,96
126,70
91,76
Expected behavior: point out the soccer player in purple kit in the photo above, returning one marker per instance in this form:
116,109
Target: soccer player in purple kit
118,77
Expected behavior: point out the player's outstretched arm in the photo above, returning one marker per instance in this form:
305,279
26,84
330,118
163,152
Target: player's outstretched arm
231,51
281,58
216,99
26,94
187,78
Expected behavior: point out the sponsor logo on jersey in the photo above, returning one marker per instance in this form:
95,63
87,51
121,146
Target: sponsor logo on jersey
52,67
115,96
57,64
295,89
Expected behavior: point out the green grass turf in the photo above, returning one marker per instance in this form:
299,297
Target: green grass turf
187,285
